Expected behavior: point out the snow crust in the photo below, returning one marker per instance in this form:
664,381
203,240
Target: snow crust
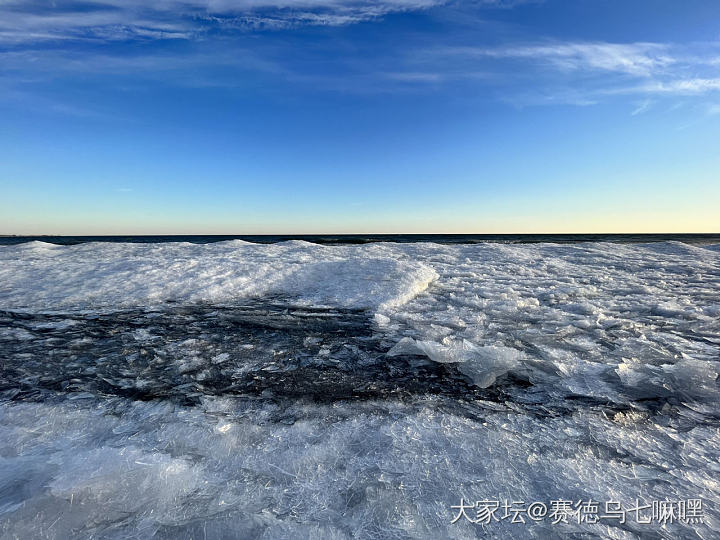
111,276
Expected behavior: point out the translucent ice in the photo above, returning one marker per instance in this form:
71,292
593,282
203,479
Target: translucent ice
482,364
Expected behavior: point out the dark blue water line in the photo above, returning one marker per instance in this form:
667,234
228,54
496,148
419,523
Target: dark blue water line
345,239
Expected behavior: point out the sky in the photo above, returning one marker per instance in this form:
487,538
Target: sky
349,116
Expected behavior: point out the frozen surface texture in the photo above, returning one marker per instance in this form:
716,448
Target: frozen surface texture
235,390
113,276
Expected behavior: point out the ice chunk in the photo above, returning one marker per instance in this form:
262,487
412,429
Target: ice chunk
686,378
364,283
483,365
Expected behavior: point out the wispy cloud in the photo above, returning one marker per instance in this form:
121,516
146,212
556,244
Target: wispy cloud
680,86
639,59
588,72
24,21
642,108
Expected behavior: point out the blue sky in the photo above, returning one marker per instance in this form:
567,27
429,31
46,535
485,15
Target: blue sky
340,116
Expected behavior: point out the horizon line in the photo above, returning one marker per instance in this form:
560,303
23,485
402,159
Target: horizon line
355,234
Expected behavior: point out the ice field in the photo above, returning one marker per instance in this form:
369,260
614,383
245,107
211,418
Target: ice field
239,390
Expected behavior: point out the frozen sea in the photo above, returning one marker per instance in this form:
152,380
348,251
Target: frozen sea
360,387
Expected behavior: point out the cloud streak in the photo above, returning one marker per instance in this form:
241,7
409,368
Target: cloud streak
23,21
591,70
638,59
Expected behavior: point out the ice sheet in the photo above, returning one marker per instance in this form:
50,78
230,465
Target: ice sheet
272,391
